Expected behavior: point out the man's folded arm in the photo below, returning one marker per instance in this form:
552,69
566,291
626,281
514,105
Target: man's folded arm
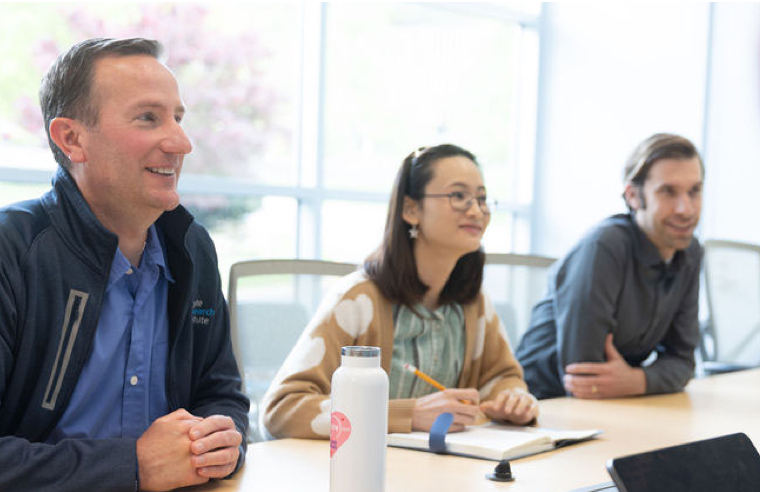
585,304
72,465
674,366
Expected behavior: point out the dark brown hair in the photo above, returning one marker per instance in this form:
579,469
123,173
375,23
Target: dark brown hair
658,146
392,265
66,88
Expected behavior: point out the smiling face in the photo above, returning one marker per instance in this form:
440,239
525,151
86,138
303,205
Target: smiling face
441,228
668,205
132,158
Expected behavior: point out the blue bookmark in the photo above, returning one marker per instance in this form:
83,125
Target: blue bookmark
437,443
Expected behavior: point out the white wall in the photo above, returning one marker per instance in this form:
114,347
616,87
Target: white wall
733,130
611,75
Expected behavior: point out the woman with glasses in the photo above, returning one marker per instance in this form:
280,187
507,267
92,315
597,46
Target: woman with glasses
419,299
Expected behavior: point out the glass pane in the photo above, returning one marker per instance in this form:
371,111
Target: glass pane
498,236
351,230
237,64
27,31
239,77
403,75
514,290
246,228
16,192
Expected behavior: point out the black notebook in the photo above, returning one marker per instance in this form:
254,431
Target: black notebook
728,463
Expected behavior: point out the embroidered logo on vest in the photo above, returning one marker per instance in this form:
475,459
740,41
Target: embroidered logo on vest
201,315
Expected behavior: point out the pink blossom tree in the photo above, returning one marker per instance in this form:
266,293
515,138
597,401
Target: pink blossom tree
230,110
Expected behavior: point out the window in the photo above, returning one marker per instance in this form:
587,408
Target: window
301,113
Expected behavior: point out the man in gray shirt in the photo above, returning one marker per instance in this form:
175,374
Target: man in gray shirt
627,290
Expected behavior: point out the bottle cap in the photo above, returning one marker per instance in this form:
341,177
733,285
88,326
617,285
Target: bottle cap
358,351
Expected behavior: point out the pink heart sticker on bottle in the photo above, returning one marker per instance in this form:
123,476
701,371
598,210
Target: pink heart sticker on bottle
340,430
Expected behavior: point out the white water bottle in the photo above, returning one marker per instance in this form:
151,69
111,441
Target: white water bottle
359,422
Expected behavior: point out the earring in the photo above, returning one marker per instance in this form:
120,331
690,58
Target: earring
413,232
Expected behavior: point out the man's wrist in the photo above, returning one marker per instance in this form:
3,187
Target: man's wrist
640,378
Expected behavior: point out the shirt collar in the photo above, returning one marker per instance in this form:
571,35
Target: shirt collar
439,314
154,254
648,254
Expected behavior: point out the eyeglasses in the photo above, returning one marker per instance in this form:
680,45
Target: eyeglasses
461,201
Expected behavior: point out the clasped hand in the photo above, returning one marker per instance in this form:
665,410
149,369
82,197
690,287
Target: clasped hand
180,449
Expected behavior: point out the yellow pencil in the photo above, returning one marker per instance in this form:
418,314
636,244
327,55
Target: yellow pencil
432,382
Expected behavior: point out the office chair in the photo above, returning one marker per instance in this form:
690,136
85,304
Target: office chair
730,338
271,301
515,284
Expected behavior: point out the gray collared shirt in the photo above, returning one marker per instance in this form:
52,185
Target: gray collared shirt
614,281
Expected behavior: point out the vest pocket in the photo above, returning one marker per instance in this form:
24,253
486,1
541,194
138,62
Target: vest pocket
69,329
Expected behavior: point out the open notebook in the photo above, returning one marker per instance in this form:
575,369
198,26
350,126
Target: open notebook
496,442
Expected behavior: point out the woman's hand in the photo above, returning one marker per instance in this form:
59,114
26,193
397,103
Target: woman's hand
429,407
514,405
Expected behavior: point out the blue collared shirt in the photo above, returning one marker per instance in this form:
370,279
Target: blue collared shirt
122,388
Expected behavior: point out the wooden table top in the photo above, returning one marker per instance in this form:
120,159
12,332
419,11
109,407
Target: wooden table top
709,407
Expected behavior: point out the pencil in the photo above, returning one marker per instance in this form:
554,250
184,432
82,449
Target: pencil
432,382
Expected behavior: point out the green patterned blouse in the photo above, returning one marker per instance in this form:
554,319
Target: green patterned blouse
433,341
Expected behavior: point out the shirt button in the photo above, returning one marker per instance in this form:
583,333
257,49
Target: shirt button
129,271
133,380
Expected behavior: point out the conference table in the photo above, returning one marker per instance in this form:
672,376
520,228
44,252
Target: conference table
709,407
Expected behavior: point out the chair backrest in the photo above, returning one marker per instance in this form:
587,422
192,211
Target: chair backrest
732,285
271,301
515,284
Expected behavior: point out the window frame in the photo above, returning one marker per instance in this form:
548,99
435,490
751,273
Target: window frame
310,191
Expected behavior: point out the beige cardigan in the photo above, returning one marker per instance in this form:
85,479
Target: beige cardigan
297,403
